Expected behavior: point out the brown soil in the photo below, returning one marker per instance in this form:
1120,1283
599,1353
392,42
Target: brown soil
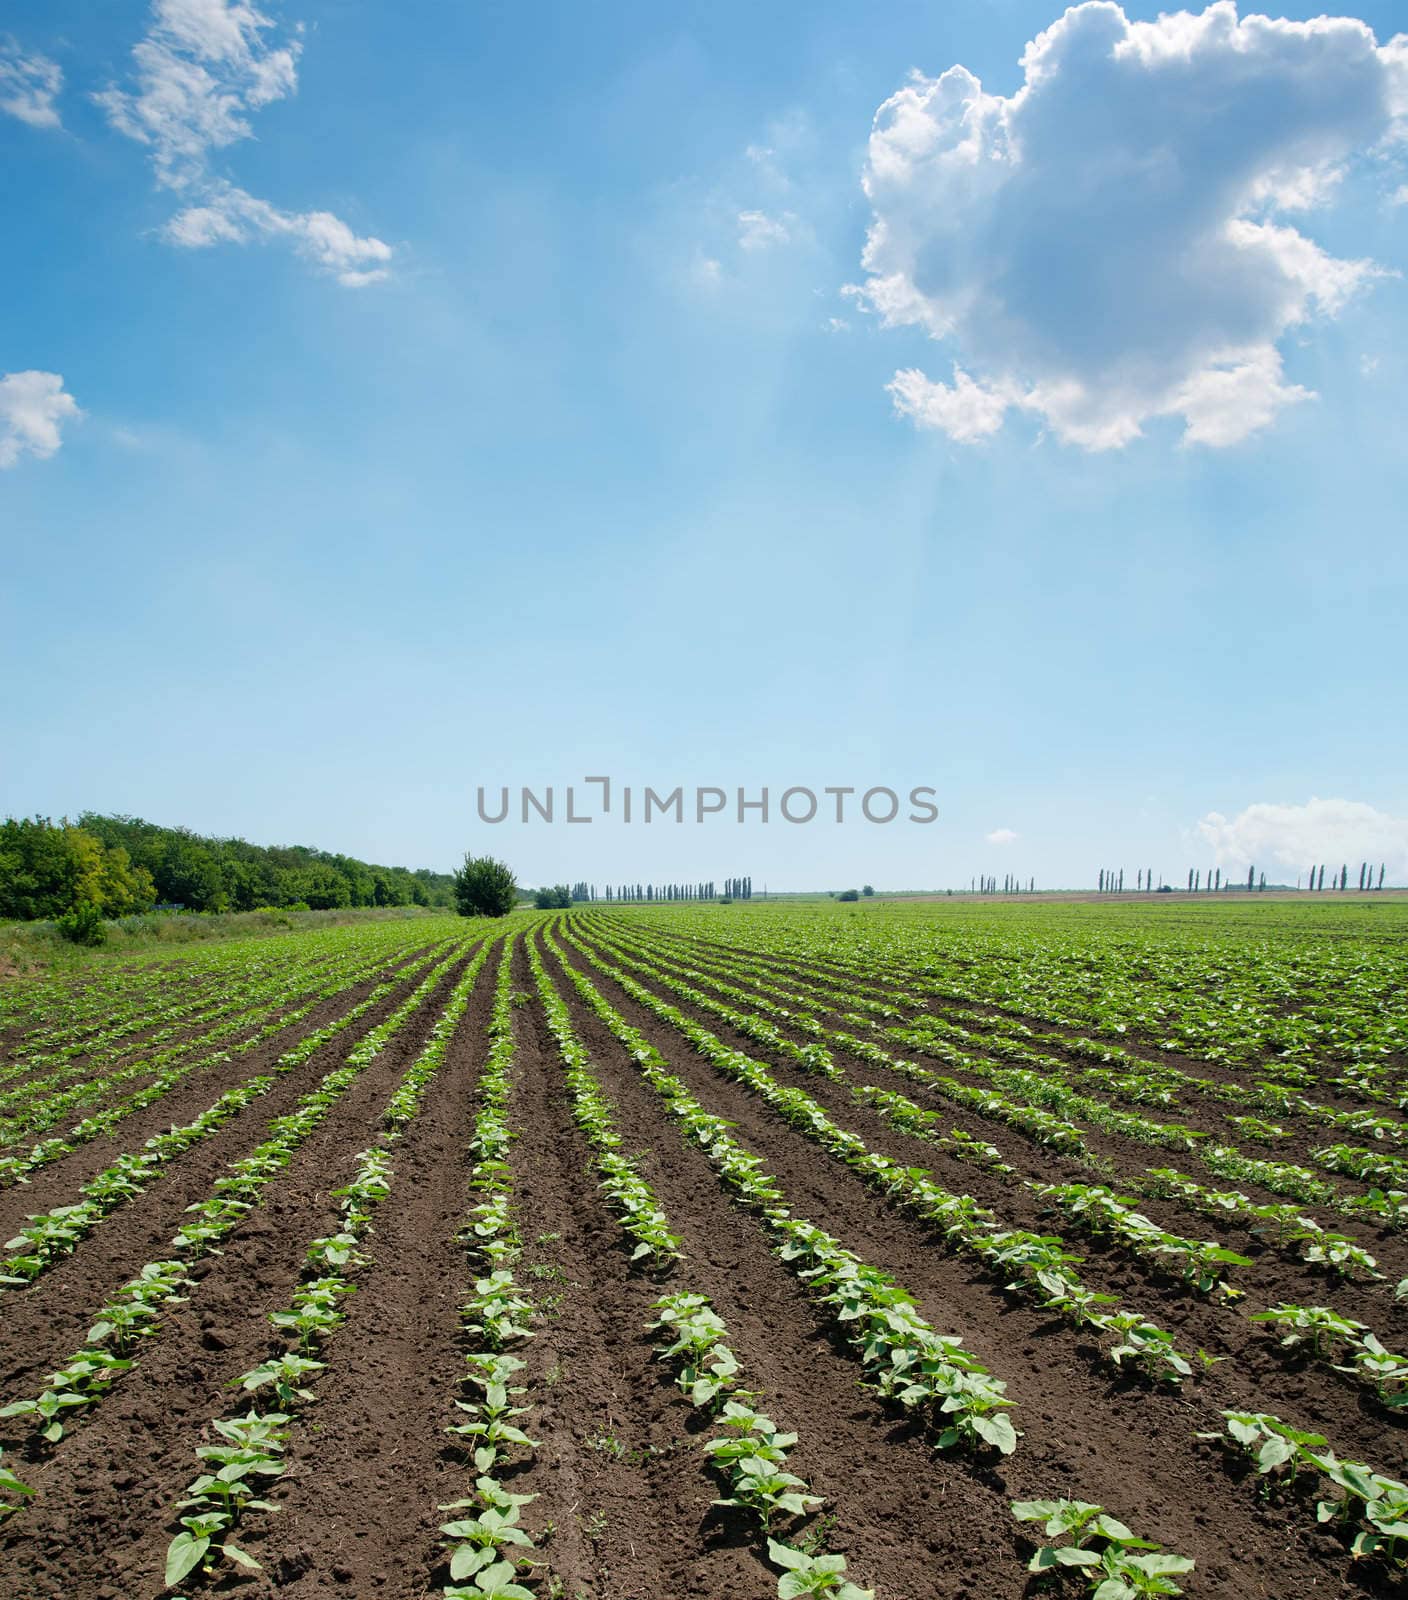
1194,1110
624,1497
114,1478
1087,1433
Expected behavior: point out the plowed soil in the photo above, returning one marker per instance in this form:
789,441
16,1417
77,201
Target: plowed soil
624,1497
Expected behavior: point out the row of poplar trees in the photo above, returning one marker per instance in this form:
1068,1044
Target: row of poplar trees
733,889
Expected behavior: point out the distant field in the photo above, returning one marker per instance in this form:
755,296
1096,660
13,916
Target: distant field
739,1239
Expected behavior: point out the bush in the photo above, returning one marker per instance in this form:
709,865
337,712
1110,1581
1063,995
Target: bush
558,898
868,890
849,894
83,925
484,887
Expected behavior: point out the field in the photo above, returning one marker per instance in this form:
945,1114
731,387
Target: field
715,1251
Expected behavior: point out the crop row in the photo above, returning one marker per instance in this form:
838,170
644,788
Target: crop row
1030,1115
51,1235
484,1543
133,1312
1040,1266
235,1474
747,1449
903,1359
1194,986
153,1027
15,1168
1043,1085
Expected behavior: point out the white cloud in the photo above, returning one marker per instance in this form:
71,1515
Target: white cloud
202,69
29,85
33,408
1002,836
1229,399
965,411
1368,366
758,231
1328,832
1103,247
232,216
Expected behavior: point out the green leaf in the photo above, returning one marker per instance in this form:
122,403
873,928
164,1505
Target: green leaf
1048,1558
998,1431
183,1555
466,1560
1162,1564
1115,1589
1033,1510
783,1555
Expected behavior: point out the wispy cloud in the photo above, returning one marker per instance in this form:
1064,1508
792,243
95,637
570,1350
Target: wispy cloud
1002,836
230,215
1104,246
758,231
29,85
200,72
34,406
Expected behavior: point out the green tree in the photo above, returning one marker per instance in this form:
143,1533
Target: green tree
484,887
323,888
120,887
49,869
189,876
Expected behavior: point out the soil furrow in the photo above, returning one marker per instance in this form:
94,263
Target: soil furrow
359,1496
1087,1434
1123,1153
40,1330
881,986
117,1474
852,1448
58,1182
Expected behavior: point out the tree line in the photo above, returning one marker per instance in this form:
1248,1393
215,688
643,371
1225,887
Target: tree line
118,864
1111,880
561,896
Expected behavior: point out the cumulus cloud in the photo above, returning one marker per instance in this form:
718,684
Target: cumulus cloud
33,408
964,410
1002,836
29,85
1329,832
203,68
1108,245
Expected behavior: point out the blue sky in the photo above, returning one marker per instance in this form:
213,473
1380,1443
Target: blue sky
499,409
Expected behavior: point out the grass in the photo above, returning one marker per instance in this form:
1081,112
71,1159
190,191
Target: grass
38,947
